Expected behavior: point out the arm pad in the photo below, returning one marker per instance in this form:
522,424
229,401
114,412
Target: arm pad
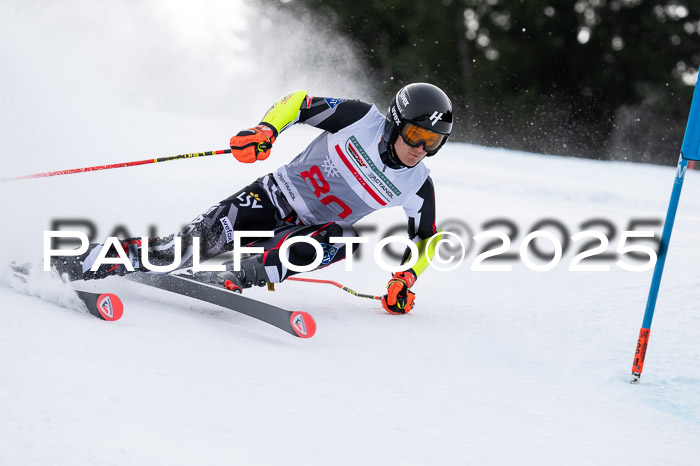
285,111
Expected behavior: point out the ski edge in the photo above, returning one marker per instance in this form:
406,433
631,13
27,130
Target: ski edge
297,323
104,306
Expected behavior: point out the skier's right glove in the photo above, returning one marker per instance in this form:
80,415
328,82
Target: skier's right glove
399,298
253,144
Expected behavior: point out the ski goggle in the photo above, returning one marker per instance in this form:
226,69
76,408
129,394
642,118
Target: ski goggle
414,135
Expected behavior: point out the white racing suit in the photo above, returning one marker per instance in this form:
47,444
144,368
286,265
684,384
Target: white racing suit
345,174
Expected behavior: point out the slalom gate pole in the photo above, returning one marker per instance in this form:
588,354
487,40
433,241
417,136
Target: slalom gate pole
336,284
643,339
119,165
689,151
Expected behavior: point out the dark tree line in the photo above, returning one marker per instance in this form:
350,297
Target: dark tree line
608,79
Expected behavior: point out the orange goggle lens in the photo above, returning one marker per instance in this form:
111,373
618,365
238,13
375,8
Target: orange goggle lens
415,135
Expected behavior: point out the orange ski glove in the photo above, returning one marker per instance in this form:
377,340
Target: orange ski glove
399,298
253,144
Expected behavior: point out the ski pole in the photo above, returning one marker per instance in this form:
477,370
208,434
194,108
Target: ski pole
119,165
690,150
330,282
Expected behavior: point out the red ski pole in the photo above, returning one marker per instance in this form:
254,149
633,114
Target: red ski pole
119,165
330,282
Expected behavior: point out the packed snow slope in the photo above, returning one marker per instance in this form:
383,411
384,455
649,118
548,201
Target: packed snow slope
489,368
495,367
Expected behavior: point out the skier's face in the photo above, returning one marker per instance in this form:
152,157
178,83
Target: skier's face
408,155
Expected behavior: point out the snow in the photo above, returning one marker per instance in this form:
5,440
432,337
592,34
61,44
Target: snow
489,368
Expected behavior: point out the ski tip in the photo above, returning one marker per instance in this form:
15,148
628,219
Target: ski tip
109,307
303,324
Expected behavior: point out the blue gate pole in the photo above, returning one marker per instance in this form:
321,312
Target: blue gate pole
689,151
643,339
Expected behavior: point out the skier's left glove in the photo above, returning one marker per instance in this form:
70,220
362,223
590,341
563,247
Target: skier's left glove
253,144
399,298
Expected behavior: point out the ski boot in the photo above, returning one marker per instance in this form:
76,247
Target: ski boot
75,268
70,266
252,272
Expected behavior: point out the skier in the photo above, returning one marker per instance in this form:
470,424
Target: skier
362,162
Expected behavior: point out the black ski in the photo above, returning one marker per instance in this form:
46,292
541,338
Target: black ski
297,323
105,306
